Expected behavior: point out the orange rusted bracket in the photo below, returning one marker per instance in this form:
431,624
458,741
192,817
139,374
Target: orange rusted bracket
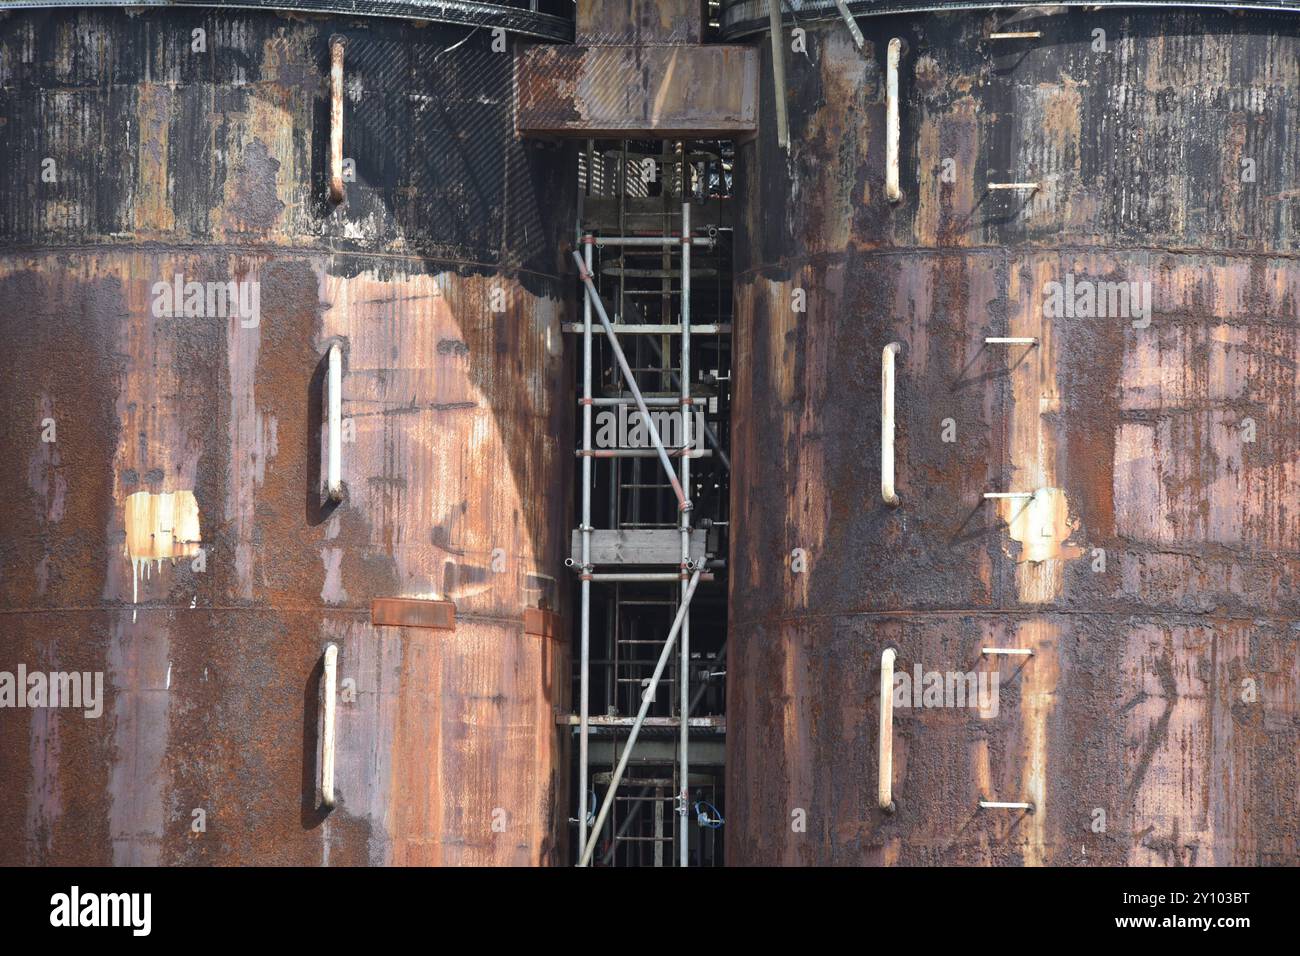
540,622
683,90
413,612
337,43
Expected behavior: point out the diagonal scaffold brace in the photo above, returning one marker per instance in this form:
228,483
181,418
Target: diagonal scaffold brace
647,698
683,503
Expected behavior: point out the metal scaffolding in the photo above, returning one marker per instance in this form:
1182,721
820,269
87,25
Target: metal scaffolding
641,546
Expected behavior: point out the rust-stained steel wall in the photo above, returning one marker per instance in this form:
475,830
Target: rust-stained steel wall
441,276
1162,690
638,70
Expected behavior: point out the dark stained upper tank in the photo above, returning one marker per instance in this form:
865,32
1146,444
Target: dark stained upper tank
165,524
1152,572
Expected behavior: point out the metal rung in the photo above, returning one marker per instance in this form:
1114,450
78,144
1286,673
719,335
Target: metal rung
635,799
653,328
644,453
711,722
641,680
1010,340
641,839
1020,651
1024,35
614,271
1007,494
648,243
647,577
653,402
995,805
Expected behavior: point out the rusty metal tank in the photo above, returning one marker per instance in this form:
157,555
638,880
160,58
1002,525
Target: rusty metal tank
1152,572
165,522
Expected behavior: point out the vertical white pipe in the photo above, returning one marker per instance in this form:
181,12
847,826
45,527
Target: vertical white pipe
334,481
585,571
778,74
886,769
892,192
336,119
328,693
659,825
887,490
687,439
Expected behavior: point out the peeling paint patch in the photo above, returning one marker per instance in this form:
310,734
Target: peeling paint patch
45,800
1041,525
333,592
159,527
137,660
